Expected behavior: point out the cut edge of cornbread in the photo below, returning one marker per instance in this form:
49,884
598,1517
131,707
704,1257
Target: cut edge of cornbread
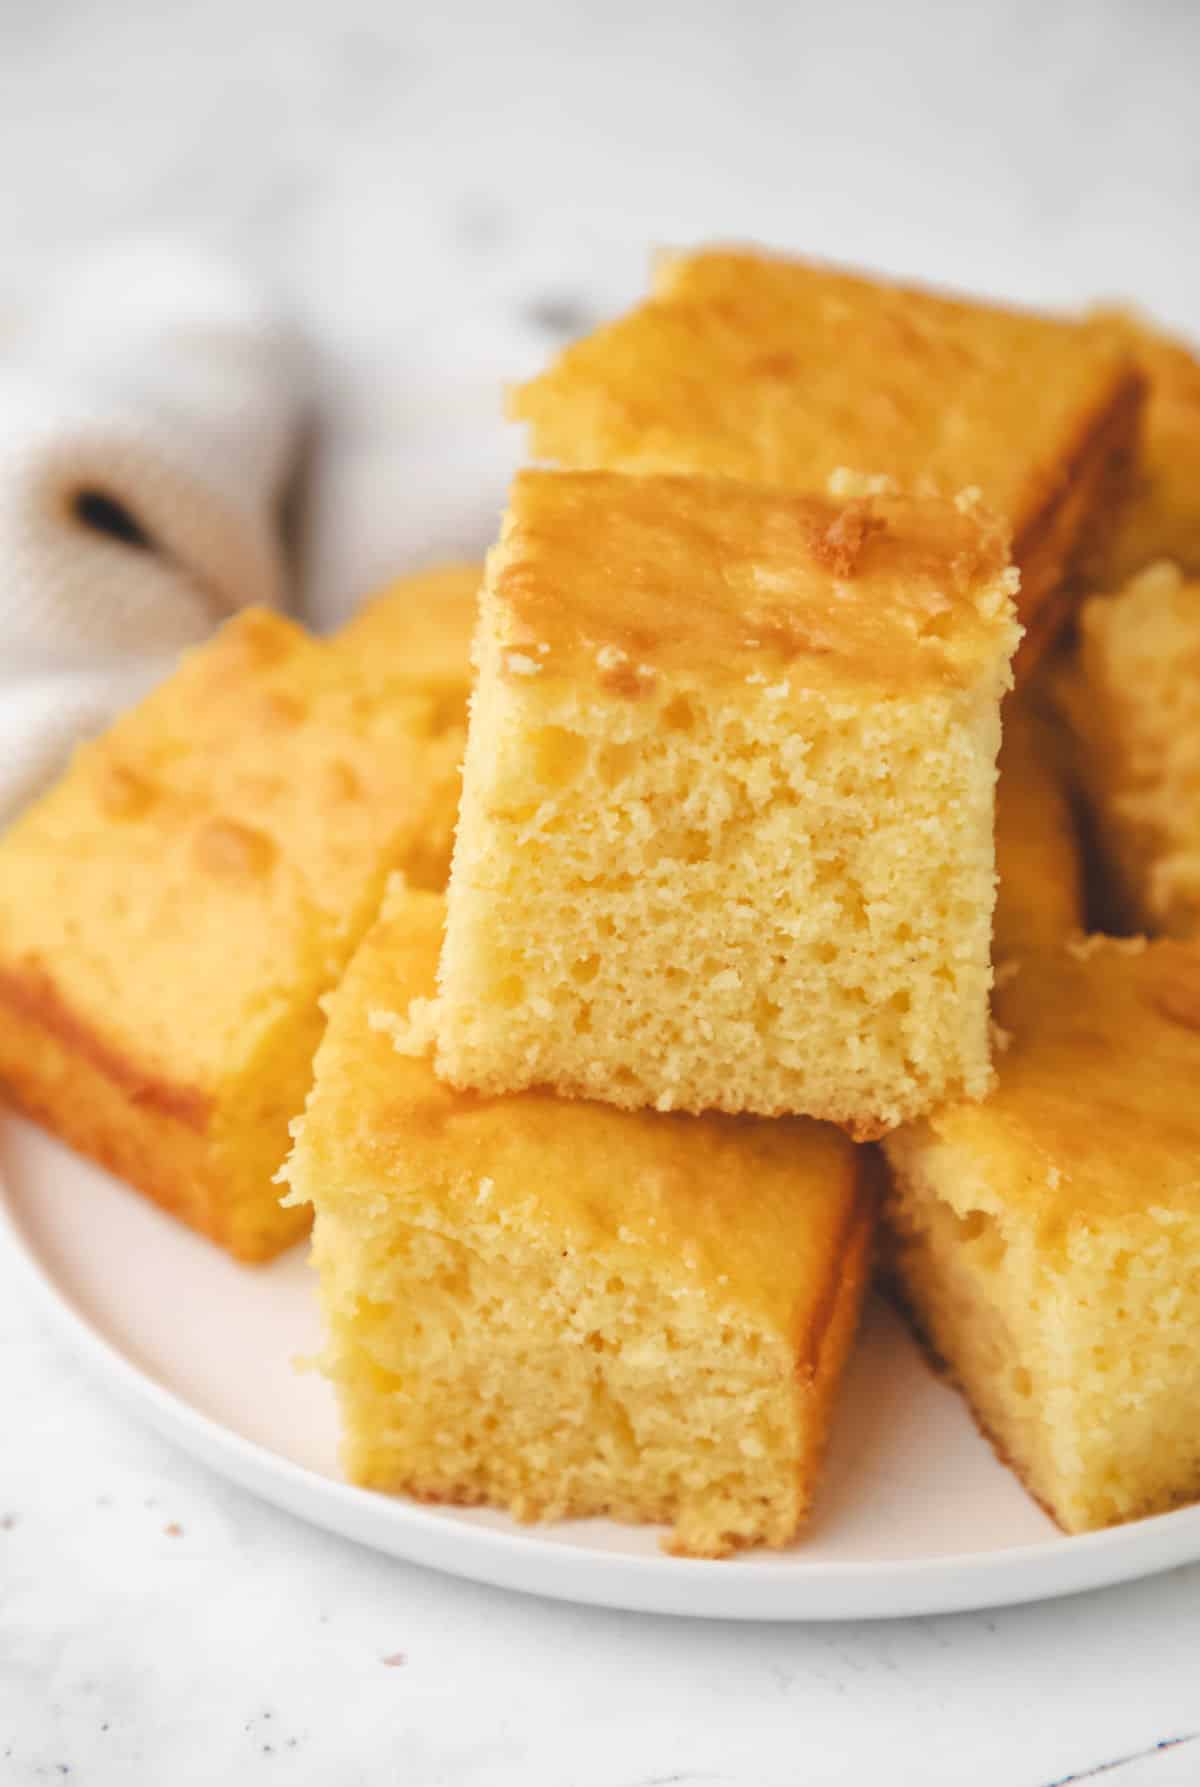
211,1169
1130,695
522,1459
968,1337
720,882
539,1304
1052,1277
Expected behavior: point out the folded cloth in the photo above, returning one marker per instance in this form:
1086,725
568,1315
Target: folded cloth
148,423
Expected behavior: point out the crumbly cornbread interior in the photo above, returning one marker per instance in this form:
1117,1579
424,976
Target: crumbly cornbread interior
565,1309
1130,694
726,833
1046,1240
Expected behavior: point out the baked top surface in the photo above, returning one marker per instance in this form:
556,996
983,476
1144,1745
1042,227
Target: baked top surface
1095,1115
756,1213
617,578
207,862
422,623
781,371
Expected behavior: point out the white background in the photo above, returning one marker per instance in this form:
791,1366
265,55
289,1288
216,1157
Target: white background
441,194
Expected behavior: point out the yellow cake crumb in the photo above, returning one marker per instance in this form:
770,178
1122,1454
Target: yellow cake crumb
1046,1239
564,1310
1130,694
732,848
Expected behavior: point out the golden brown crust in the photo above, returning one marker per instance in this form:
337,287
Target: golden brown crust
1097,1080
166,1159
778,371
32,995
418,632
850,1267
618,579
173,908
1059,547
838,544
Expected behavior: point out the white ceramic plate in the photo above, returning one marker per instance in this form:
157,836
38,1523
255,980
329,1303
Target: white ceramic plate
915,1516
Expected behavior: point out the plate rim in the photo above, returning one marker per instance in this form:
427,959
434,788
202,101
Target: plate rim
532,1561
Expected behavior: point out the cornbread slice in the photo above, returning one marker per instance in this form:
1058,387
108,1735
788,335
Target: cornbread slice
1162,519
418,633
782,371
1039,865
1131,696
726,833
173,909
563,1309
1047,1239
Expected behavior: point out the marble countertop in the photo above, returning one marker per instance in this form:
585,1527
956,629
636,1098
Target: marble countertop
442,195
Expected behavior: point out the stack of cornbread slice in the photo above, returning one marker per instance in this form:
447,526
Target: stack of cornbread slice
726,834
589,1138
564,1308
727,845
698,749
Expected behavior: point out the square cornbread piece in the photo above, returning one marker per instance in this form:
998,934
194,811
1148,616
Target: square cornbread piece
417,632
172,911
1046,1240
566,1310
781,371
1131,696
1161,520
1040,896
726,833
